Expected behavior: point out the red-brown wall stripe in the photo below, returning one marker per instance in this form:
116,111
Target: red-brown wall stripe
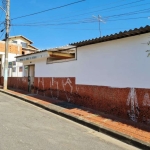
127,103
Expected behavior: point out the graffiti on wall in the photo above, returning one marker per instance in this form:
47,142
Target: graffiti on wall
101,98
146,102
69,91
24,80
77,89
41,84
53,84
132,101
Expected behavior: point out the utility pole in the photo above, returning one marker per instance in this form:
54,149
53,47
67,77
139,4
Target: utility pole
7,23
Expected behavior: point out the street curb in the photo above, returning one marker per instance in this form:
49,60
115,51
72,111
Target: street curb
122,137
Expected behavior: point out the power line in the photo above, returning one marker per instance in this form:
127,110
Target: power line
82,10
48,10
102,9
3,1
72,23
114,7
130,18
89,20
4,4
128,7
85,20
47,24
129,13
98,6
86,29
2,34
103,5
12,29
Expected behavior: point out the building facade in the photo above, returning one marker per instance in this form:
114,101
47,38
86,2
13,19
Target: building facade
108,74
18,45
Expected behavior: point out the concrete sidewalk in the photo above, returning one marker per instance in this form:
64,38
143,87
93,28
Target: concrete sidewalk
128,132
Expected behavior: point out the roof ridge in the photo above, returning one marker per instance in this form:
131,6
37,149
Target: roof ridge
121,34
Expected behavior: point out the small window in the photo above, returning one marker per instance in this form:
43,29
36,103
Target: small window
14,42
62,56
24,44
9,64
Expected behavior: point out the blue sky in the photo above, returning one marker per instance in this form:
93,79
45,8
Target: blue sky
76,22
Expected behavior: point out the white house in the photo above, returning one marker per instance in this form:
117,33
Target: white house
18,45
110,74
118,60
26,44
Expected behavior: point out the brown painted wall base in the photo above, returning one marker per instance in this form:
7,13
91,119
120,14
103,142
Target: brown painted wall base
16,82
126,103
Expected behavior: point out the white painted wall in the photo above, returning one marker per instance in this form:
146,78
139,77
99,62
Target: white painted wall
18,40
117,63
11,57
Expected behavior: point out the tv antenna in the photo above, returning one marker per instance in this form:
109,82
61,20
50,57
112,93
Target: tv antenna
99,18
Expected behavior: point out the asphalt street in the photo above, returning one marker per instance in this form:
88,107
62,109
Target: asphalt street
27,127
